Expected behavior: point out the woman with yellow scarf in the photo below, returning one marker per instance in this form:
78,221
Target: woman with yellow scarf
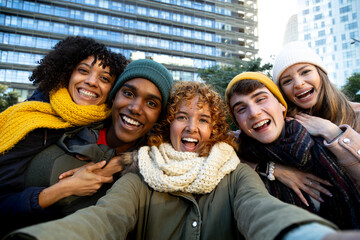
74,81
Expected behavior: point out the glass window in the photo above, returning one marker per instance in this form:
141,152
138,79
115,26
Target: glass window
187,33
89,16
104,4
45,9
43,26
102,19
187,19
176,17
165,15
141,10
153,13
90,2
164,29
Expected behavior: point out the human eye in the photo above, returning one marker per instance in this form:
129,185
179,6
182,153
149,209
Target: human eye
180,117
286,81
82,70
105,79
204,120
305,71
240,109
127,93
261,99
153,104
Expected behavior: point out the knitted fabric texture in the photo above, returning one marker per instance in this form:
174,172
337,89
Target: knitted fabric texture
293,53
150,70
269,84
166,170
61,112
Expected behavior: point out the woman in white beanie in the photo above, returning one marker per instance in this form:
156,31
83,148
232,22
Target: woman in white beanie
318,105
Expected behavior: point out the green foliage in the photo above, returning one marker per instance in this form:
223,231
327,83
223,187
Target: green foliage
7,99
220,76
352,87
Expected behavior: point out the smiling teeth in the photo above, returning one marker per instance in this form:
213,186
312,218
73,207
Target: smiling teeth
303,93
131,121
87,93
260,123
190,139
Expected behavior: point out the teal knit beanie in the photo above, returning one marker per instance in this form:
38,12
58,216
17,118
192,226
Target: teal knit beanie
150,70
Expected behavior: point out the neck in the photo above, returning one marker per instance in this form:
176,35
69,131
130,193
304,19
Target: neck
116,143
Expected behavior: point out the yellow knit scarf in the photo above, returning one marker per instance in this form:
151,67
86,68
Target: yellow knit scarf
61,112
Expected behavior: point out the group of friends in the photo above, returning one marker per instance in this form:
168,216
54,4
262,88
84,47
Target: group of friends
111,149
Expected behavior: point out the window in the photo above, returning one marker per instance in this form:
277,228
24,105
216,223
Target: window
345,9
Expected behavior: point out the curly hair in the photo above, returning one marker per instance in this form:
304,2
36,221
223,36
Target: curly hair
55,69
186,91
332,104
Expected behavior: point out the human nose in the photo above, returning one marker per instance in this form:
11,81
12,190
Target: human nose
135,106
254,110
192,126
298,82
92,80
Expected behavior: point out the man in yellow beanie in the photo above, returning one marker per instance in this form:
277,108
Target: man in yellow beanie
268,140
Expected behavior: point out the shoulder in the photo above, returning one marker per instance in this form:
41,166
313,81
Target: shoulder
355,106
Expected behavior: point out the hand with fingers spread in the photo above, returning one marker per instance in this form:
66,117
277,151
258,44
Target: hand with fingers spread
83,182
317,126
298,180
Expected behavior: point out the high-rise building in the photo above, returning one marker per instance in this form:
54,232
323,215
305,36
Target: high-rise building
183,35
332,28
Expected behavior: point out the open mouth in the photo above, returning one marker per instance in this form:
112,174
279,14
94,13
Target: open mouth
305,94
190,142
88,94
261,125
130,122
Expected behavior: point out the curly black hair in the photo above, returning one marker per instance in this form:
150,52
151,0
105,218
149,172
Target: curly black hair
56,67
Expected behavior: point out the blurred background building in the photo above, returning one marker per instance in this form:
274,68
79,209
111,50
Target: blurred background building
183,35
332,28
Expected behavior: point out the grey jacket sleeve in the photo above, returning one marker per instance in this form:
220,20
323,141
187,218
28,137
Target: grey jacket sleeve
260,215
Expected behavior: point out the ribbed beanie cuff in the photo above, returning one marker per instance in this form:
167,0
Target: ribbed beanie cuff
150,70
293,53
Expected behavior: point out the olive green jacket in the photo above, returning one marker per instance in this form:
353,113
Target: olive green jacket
239,207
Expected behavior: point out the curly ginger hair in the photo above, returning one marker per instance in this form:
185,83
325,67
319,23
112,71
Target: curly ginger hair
187,91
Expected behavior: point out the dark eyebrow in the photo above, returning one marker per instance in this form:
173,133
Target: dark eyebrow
206,116
202,115
252,96
132,87
297,71
89,66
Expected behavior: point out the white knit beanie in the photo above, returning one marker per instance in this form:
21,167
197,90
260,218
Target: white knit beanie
293,53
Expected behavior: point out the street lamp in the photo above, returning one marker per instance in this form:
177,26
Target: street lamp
354,40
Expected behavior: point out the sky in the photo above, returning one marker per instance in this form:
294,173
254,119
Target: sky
272,19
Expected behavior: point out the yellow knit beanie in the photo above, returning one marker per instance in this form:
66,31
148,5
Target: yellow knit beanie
261,78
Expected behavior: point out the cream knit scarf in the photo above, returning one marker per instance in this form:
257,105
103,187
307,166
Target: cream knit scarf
166,170
61,112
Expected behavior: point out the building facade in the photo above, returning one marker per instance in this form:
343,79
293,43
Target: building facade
332,28
183,35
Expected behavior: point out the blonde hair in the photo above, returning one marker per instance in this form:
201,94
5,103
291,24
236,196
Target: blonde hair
186,91
332,104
